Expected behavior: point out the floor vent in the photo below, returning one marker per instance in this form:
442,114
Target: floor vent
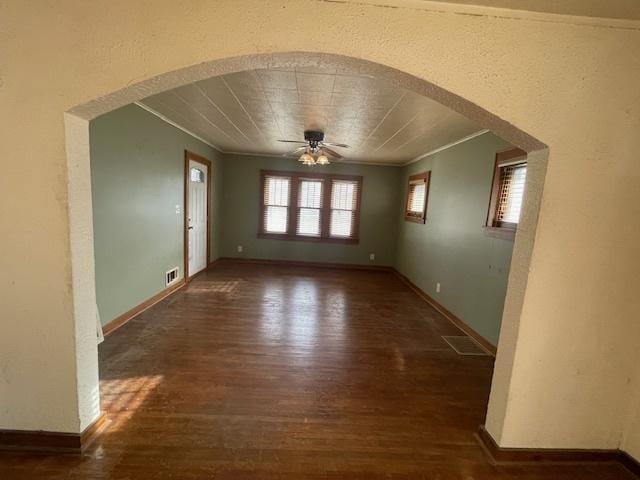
464,345
172,276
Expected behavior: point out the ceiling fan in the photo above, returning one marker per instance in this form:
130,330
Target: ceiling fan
314,144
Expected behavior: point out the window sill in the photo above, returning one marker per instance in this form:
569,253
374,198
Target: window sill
500,232
409,218
302,238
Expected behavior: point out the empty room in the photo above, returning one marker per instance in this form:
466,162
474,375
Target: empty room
320,240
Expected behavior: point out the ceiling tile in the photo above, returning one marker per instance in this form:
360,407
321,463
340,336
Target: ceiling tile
250,111
277,79
311,82
315,98
281,95
324,69
353,85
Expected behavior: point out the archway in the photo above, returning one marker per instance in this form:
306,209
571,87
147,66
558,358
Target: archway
77,133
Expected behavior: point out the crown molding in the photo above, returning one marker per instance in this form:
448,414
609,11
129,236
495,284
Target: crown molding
448,145
174,124
342,160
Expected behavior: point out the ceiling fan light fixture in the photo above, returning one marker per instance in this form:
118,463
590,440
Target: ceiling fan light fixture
322,159
307,159
316,150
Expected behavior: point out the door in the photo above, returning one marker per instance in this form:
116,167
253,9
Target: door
197,215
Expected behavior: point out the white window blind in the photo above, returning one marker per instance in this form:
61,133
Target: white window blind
309,204
276,203
344,195
417,192
512,180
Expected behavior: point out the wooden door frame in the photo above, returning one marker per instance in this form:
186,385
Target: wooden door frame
200,159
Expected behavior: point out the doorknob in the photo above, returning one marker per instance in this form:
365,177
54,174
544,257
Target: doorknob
190,228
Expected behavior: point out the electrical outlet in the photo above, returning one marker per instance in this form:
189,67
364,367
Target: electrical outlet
239,248
372,256
177,209
438,287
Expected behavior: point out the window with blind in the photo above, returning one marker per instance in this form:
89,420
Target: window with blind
276,203
309,205
507,192
315,207
343,208
417,194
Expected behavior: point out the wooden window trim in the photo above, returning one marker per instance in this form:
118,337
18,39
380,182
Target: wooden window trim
414,179
325,211
492,227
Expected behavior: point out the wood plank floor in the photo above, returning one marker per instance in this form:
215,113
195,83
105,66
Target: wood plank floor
269,372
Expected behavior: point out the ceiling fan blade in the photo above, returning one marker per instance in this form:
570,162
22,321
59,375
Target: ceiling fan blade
333,153
293,141
333,144
294,152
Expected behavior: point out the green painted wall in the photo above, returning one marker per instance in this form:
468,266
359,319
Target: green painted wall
452,248
241,196
137,181
137,163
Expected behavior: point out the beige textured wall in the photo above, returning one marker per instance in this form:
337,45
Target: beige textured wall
562,371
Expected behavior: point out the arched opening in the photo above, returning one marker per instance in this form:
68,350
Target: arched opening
78,154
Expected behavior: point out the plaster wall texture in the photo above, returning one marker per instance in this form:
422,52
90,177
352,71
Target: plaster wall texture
565,362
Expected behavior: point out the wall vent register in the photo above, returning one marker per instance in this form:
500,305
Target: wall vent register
171,276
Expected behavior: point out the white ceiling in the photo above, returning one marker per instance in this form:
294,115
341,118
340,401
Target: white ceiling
248,112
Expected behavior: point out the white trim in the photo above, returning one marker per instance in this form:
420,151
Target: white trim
255,154
375,164
444,147
174,124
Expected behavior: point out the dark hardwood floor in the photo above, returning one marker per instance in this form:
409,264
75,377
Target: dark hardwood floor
268,372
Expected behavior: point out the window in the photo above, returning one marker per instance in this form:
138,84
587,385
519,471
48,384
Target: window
197,175
417,194
343,208
276,204
314,207
309,204
507,192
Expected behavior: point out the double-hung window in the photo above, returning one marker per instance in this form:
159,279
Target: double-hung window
316,207
309,207
276,204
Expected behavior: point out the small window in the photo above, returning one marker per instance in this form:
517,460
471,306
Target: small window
197,175
417,194
507,192
309,206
